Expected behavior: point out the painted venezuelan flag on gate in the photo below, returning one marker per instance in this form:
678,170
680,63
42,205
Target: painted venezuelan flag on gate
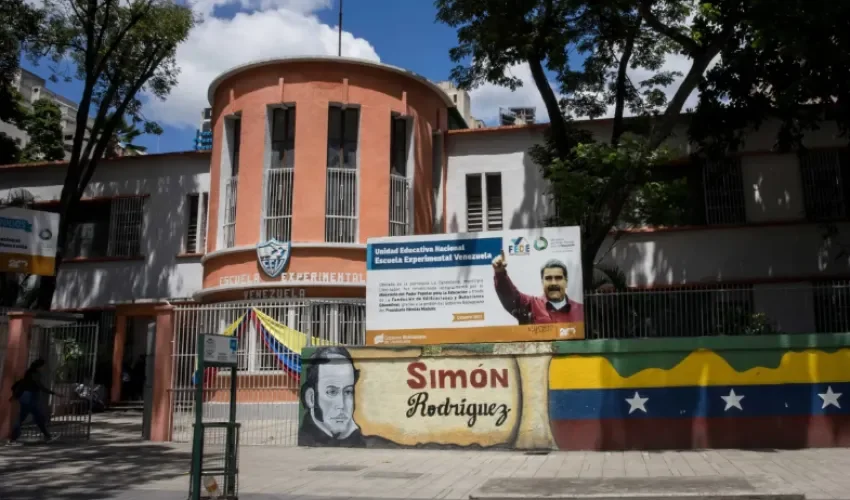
622,401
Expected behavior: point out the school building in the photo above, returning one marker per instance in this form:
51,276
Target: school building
327,152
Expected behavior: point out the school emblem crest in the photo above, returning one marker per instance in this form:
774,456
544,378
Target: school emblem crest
273,257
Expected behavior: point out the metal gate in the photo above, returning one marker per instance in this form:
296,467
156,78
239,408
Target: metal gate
267,393
70,355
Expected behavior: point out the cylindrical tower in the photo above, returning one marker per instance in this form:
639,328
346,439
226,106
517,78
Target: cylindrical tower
316,154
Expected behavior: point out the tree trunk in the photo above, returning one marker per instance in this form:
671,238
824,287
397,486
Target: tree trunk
47,284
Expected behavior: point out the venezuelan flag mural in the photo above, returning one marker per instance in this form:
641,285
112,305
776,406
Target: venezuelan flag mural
284,342
701,399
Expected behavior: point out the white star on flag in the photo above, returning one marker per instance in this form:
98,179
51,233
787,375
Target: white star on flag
637,403
830,398
732,400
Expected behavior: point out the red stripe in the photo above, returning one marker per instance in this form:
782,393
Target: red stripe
684,433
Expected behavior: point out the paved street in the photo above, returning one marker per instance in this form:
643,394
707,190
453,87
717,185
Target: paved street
117,465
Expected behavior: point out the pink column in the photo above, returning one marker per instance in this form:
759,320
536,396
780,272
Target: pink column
161,404
17,354
118,357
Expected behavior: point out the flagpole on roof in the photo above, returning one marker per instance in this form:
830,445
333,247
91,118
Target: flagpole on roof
339,44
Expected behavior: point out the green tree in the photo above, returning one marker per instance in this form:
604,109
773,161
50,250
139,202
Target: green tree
19,26
44,126
123,141
599,183
117,48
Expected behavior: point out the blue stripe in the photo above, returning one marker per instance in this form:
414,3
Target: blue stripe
430,254
696,401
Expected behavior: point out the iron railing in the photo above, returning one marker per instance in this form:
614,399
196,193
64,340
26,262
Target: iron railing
267,392
126,219
277,213
341,205
228,225
718,310
399,205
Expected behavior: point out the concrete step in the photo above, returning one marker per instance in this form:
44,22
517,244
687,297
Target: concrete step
667,488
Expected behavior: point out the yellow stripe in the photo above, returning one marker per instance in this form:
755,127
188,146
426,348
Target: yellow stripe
24,263
471,335
700,368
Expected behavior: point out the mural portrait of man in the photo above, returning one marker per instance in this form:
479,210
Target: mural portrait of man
327,395
554,306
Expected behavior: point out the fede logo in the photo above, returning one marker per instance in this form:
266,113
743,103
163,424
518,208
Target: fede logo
519,246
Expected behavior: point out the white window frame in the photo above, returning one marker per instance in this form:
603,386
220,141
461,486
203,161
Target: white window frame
485,209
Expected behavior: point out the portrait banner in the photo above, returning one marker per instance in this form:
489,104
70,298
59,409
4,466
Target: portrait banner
496,286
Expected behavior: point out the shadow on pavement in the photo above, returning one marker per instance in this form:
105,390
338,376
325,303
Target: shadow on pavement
107,466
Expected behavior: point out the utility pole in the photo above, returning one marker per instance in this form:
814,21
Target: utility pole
339,44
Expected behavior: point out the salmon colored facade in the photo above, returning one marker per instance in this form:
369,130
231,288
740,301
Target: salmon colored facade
312,85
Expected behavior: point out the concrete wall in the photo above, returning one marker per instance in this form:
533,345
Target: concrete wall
159,272
712,392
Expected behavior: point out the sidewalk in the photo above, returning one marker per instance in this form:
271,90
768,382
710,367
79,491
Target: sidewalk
123,467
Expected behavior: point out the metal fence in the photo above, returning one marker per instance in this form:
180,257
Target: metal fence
718,310
268,395
399,205
277,209
70,355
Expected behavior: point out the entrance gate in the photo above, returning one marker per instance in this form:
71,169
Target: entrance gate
267,387
70,355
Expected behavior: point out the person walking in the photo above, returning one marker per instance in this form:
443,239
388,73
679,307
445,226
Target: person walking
26,392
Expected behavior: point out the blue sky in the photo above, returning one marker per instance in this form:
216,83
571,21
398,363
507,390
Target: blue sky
400,33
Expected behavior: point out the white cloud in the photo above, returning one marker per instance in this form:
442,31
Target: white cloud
286,28
487,98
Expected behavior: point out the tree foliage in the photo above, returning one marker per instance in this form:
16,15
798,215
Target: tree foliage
43,124
583,56
19,27
117,49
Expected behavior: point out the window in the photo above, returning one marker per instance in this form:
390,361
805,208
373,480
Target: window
724,192
484,202
108,228
341,201
228,221
831,306
399,184
825,183
237,141
279,177
338,323
196,227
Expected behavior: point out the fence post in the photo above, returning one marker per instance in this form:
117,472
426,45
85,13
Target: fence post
17,355
118,357
161,404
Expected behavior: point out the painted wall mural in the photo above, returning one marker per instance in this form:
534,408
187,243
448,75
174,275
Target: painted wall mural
767,392
429,396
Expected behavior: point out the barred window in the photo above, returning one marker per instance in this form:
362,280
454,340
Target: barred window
825,183
280,176
399,184
107,228
724,192
341,200
228,221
